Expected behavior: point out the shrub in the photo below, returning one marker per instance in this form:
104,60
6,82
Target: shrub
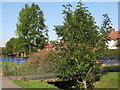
112,52
9,68
37,63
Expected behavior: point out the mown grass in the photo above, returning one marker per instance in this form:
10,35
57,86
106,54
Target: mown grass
11,64
109,80
33,84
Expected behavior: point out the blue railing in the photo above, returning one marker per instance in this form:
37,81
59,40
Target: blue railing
14,59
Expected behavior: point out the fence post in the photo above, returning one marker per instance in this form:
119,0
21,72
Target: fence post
15,72
6,69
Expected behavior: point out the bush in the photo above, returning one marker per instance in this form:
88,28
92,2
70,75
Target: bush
9,68
38,63
112,52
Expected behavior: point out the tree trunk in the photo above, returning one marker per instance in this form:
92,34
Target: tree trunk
30,49
85,84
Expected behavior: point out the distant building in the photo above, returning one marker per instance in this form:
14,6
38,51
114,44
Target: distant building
114,36
47,47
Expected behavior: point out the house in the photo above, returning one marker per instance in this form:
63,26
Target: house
47,47
114,36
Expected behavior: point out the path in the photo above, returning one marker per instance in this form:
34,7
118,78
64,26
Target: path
7,83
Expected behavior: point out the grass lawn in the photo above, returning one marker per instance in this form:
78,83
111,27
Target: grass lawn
33,84
11,64
109,80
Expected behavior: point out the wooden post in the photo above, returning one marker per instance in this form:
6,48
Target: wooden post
15,72
6,69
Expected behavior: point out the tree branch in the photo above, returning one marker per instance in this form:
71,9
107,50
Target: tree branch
79,81
96,45
89,70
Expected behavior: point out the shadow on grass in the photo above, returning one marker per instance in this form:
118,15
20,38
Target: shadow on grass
69,84
106,70
64,84
109,69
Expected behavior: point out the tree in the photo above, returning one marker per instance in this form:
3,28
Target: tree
0,51
85,43
20,45
9,49
15,45
9,46
31,27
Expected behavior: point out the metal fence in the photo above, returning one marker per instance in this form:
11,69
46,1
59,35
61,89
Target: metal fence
110,58
14,59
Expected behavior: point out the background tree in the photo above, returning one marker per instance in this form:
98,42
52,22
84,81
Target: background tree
31,27
20,45
9,49
86,42
15,45
0,51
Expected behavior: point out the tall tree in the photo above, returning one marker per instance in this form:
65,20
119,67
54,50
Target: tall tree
31,26
76,60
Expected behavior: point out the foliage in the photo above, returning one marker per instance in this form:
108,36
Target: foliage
118,43
33,84
9,67
15,45
38,64
112,52
4,52
31,27
109,80
31,31
9,46
0,50
85,41
20,45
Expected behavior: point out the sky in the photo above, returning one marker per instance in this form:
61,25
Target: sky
53,15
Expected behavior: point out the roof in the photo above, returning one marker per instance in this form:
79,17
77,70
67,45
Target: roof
115,35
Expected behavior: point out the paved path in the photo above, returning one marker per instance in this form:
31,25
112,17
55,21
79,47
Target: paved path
7,83
0,83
